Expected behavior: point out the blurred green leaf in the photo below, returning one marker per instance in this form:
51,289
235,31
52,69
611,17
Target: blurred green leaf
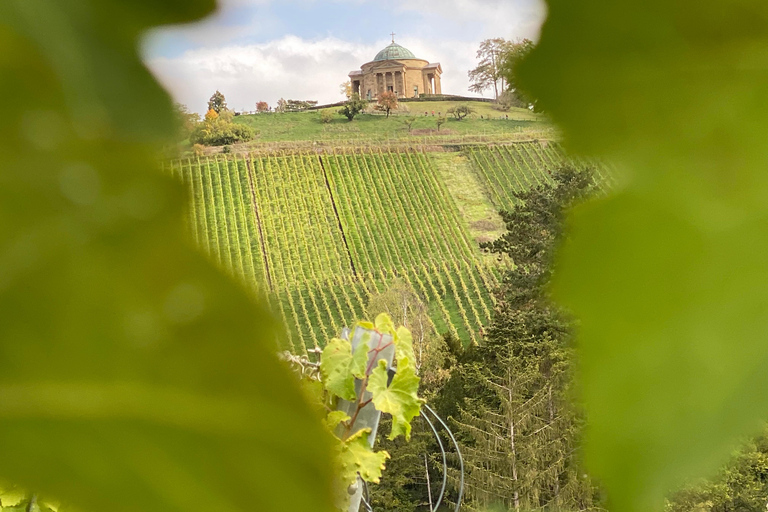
668,275
134,376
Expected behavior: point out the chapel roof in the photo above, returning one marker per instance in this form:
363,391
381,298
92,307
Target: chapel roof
393,52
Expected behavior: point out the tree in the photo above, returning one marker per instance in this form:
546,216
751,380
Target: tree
262,107
739,486
488,73
517,430
512,56
402,488
387,101
219,130
461,111
281,105
440,121
186,120
346,89
406,307
217,102
408,122
211,116
354,106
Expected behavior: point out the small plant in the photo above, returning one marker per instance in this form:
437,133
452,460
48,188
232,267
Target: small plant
226,149
408,122
340,368
441,121
354,106
198,150
326,116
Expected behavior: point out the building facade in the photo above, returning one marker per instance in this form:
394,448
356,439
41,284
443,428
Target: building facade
398,70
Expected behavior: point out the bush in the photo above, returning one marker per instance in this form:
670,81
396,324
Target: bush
226,149
326,116
461,111
221,133
198,150
354,106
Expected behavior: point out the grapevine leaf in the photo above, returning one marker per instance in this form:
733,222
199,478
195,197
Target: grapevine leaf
135,375
404,348
368,326
339,367
357,457
335,418
400,398
667,275
384,324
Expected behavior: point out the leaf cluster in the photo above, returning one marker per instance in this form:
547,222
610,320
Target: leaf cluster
397,396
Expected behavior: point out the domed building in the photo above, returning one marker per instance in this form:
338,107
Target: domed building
398,70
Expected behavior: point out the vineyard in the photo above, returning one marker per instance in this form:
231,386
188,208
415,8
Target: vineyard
316,235
509,168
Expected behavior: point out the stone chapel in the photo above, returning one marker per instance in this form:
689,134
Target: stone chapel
398,70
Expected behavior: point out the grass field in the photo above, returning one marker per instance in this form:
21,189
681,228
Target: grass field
307,125
316,234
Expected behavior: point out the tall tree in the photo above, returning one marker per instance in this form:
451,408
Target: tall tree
217,103
519,434
488,74
510,59
413,469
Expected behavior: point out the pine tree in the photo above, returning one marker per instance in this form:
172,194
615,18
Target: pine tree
518,433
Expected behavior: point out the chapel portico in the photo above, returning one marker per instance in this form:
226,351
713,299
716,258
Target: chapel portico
398,70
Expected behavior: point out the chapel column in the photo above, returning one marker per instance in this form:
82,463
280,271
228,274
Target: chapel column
438,87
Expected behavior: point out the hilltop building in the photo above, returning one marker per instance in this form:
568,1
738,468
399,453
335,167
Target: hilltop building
398,70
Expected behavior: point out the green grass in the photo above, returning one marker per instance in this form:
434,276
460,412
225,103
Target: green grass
480,215
306,126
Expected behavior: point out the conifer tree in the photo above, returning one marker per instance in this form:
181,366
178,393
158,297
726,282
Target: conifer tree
518,433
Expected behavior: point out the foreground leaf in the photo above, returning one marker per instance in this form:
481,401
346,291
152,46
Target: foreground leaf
339,367
400,398
134,376
357,457
668,275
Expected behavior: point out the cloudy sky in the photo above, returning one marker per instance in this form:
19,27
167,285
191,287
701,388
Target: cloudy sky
254,50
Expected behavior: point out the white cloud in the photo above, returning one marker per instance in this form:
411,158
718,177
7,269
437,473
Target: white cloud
292,68
289,67
495,18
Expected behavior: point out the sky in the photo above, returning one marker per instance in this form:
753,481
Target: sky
264,50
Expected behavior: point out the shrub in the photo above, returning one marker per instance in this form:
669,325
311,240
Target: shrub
226,149
198,150
354,106
326,116
219,133
461,111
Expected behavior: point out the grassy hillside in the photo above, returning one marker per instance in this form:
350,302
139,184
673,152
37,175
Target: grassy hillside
308,126
316,234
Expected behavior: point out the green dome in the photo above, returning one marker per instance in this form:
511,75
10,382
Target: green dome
393,52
